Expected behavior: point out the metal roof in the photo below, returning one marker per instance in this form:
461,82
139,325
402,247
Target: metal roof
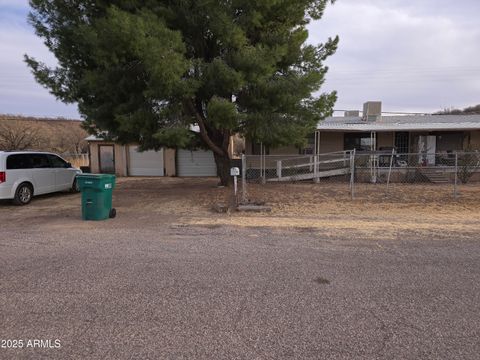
402,123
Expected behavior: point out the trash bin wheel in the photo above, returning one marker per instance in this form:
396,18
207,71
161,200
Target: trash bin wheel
113,213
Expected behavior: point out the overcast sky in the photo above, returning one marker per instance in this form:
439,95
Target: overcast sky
414,55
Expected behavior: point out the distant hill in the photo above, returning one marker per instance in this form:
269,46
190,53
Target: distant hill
60,135
34,118
473,110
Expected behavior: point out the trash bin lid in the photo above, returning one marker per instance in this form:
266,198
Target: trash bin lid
96,181
95,176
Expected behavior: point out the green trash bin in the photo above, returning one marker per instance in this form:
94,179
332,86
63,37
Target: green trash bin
96,196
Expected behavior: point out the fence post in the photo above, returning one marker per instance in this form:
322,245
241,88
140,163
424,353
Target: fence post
316,179
390,169
352,174
279,169
263,170
261,159
455,190
244,179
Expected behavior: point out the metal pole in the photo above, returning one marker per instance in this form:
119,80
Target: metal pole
244,179
264,176
455,190
372,157
319,142
390,169
352,174
375,157
261,157
261,162
315,169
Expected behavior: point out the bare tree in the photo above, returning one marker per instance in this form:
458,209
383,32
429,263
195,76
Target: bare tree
19,135
68,139
472,110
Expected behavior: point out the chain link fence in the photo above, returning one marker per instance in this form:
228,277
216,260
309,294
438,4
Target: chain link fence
362,174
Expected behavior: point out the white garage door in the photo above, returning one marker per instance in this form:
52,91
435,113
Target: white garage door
147,163
196,163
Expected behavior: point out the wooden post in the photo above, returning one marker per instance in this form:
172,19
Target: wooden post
279,169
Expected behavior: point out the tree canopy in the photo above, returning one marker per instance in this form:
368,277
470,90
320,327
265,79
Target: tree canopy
149,70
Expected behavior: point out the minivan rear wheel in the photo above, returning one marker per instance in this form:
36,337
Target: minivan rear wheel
23,194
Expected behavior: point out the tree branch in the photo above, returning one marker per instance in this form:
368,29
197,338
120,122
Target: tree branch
203,130
226,140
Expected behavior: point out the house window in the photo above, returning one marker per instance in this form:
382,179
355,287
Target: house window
358,141
401,142
448,142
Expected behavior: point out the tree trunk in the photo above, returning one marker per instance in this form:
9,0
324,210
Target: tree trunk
223,169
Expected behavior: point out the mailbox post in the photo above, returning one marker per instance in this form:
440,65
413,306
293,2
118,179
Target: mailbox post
235,171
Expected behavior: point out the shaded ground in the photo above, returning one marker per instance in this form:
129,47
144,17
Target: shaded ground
169,279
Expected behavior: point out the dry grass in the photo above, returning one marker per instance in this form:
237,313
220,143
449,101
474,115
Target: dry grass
324,209
425,209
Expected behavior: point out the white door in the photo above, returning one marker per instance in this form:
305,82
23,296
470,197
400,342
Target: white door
196,163
427,145
431,149
147,163
43,174
64,175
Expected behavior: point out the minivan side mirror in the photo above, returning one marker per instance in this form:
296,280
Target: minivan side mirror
69,165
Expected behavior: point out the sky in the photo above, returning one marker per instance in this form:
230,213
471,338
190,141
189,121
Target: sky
413,55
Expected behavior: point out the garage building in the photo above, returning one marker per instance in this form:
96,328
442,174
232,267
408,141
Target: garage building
126,160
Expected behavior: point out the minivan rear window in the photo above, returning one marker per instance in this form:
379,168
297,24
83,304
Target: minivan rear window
19,161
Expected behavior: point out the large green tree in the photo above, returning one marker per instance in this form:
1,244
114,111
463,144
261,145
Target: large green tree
152,70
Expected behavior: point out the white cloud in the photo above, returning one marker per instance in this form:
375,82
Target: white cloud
19,92
397,52
419,55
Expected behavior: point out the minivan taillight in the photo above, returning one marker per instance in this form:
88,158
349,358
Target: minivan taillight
3,176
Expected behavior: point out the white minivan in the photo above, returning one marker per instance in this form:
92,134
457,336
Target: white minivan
24,174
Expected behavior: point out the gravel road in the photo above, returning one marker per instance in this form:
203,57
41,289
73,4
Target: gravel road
150,288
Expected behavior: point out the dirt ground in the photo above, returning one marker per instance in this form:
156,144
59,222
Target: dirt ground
320,277
325,208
